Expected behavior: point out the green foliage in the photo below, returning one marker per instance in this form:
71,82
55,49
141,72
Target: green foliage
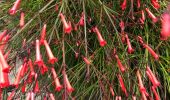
106,15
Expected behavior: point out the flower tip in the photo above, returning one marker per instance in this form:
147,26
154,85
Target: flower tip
6,70
68,29
12,12
70,90
156,57
58,88
130,51
103,43
53,60
155,20
39,63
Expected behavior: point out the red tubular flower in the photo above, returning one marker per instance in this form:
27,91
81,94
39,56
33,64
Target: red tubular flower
23,89
52,96
4,81
155,4
155,93
16,5
36,88
121,67
86,60
32,72
52,59
81,21
17,80
5,66
29,79
24,69
111,90
152,77
100,38
2,35
43,34
4,41
138,3
165,31
122,85
151,51
130,49
67,83
67,26
56,80
10,97
143,15
38,61
151,15
22,20
123,6
44,69
140,83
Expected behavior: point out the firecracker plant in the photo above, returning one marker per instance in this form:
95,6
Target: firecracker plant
84,49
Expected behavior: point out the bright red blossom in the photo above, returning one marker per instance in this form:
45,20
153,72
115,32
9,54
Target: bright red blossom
23,88
122,85
32,72
100,38
151,51
67,83
67,26
140,83
36,87
155,93
24,69
152,77
143,15
21,24
5,66
123,6
151,15
52,59
138,3
44,69
4,81
155,4
130,49
81,21
165,31
56,80
38,61
15,7
121,67
43,34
